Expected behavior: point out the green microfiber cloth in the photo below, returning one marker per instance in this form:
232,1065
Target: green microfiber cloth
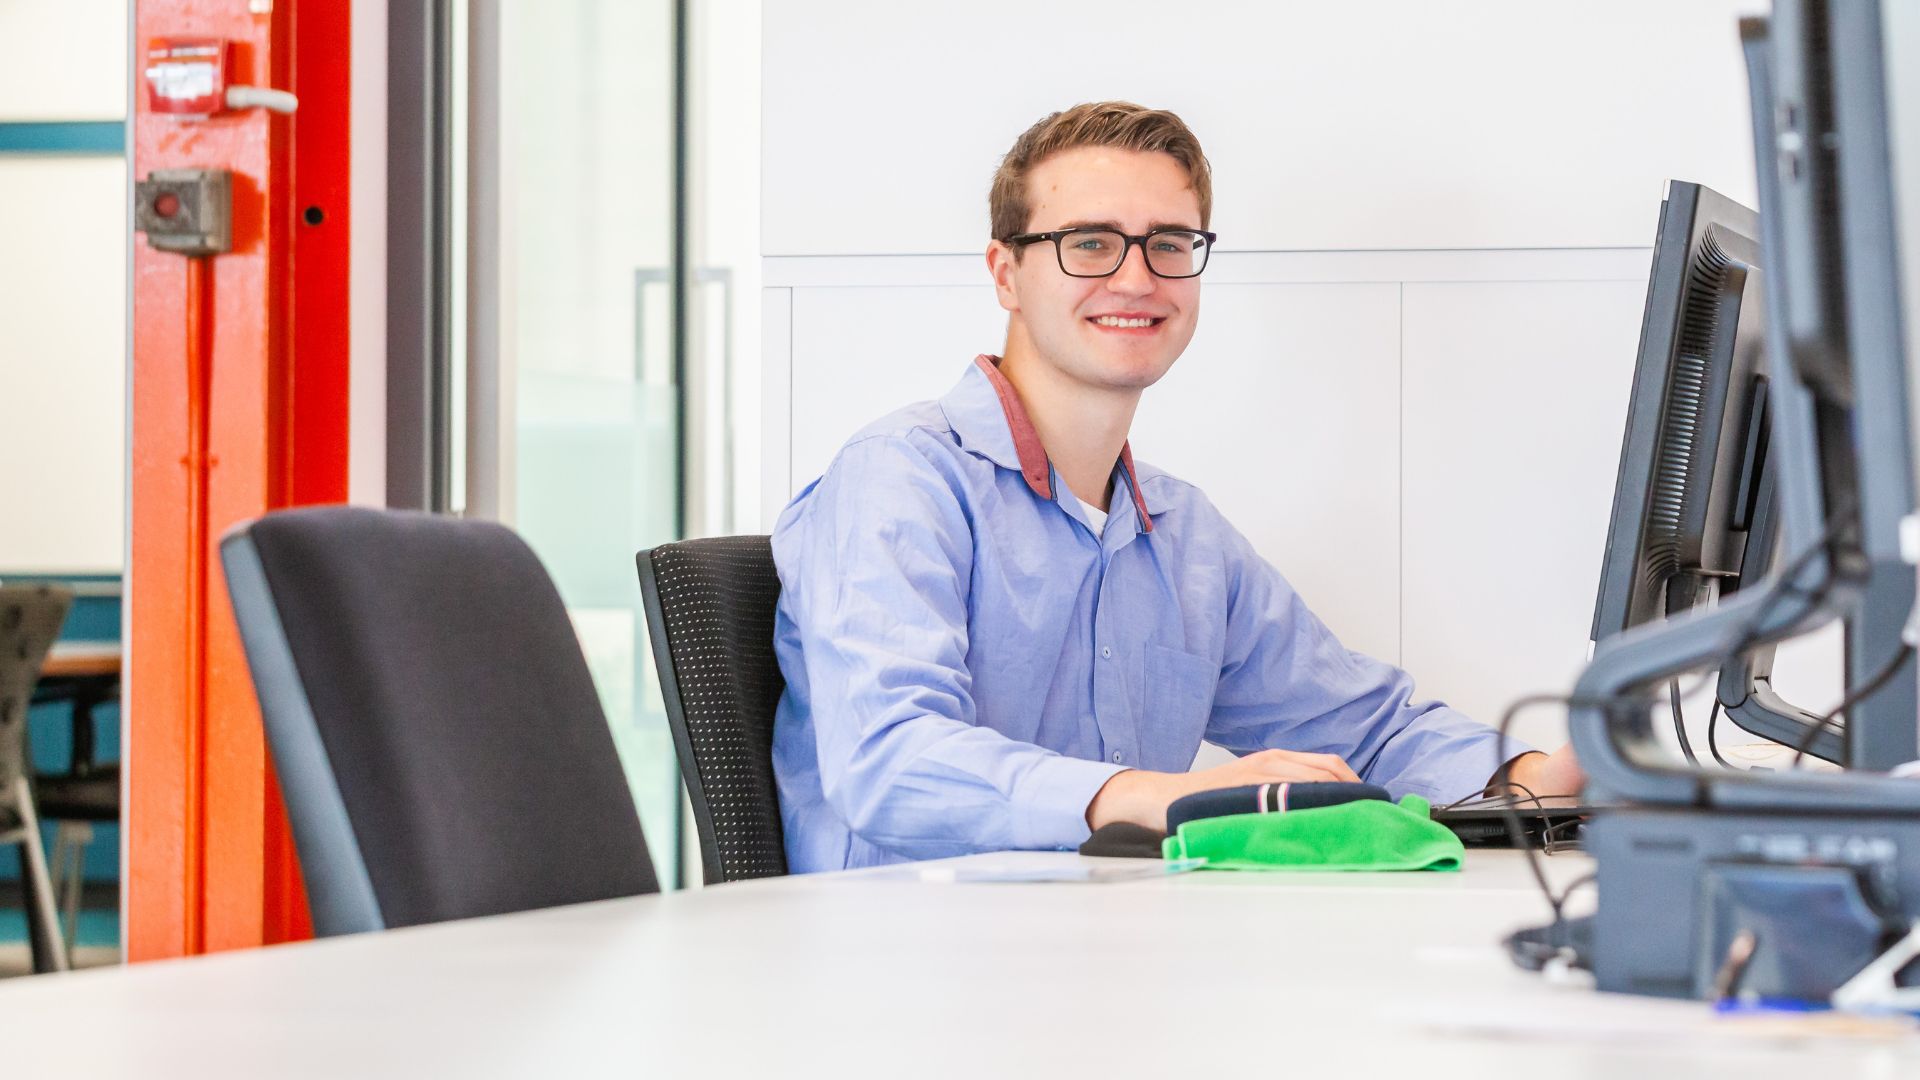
1364,835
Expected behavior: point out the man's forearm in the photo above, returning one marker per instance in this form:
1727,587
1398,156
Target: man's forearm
1545,775
1136,795
1142,797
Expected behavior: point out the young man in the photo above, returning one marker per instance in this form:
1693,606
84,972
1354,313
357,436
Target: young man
1000,631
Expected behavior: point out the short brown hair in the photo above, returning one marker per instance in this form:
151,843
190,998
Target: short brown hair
1096,123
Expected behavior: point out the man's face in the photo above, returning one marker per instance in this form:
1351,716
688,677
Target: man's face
1070,319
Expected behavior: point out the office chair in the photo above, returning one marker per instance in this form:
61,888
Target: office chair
436,732
30,618
710,614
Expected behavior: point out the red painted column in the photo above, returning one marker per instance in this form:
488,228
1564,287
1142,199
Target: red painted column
246,351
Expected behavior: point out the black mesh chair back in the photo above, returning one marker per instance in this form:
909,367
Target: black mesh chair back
436,732
30,620
710,614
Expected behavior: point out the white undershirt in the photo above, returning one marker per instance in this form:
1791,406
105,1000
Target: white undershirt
1096,517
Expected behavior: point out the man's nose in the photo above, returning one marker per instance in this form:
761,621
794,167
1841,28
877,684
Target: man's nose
1133,277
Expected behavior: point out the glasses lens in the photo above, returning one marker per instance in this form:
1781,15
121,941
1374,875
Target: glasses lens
1093,253
1177,254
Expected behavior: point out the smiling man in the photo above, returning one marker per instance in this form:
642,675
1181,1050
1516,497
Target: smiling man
999,630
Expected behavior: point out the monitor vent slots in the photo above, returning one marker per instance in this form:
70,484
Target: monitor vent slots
1686,400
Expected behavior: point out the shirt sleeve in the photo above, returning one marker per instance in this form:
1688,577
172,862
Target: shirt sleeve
875,578
1287,682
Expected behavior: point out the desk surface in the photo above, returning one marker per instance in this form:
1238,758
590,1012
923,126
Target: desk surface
81,659
879,974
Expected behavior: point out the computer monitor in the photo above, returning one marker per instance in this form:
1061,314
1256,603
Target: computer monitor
1694,514
1840,479
1830,166
1695,445
1680,864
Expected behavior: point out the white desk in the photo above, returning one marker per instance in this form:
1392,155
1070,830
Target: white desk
862,975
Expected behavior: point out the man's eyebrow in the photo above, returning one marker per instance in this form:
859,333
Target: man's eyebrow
1116,227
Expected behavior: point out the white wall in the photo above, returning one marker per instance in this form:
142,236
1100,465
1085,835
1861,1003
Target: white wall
1419,332
62,295
726,221
1359,125
66,60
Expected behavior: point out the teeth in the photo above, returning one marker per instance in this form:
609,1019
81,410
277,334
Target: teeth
1109,320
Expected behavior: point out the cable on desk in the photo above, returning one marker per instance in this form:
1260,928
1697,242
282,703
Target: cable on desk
1536,947
1516,829
1483,796
1553,842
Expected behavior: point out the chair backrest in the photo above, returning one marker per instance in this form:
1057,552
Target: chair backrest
30,618
710,610
435,729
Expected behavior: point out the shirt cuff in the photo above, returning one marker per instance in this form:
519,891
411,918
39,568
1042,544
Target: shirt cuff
1052,800
1463,775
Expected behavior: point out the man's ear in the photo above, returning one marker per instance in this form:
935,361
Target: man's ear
1001,265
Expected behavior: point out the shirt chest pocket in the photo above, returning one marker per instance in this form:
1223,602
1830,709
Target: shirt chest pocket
1179,692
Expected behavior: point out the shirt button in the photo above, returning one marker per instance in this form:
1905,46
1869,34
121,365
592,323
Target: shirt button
1116,757
1106,652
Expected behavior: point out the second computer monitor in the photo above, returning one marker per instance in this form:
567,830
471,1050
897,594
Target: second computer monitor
1693,456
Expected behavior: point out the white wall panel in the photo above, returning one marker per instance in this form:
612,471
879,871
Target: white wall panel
1515,397
66,60
63,365
861,353
1284,411
776,405
1366,124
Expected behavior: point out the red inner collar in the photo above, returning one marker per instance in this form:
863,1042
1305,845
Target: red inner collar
1034,465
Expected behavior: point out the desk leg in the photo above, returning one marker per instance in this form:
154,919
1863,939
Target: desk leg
80,757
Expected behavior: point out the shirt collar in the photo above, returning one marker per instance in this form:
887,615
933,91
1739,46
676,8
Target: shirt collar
985,411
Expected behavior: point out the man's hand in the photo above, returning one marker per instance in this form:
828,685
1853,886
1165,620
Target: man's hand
1142,797
1545,775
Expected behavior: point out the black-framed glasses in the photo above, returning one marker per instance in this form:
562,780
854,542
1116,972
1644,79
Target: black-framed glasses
1091,251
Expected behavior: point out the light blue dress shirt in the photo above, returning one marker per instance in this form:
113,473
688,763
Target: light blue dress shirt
967,662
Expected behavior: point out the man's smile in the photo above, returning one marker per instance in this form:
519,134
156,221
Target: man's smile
1127,322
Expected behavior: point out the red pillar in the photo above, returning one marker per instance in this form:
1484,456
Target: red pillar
248,350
